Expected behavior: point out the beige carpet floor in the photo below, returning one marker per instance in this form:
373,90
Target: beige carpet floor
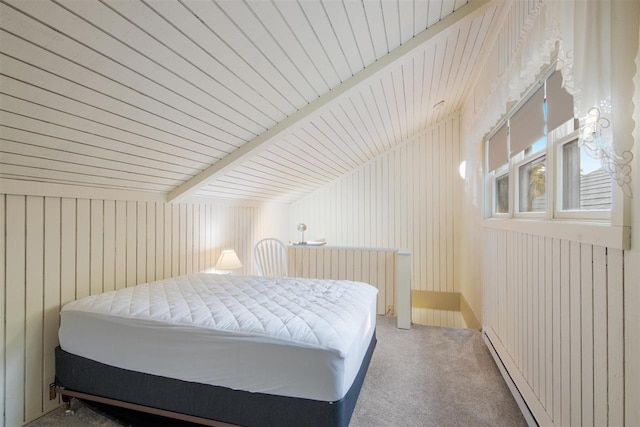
426,376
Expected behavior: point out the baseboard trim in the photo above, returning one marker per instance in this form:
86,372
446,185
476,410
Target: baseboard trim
535,414
448,301
467,313
524,408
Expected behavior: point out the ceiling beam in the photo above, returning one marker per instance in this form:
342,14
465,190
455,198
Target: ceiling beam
301,117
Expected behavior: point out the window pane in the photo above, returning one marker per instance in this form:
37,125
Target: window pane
585,185
532,186
502,194
539,145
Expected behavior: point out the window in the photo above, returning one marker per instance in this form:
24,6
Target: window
527,126
501,194
584,184
551,175
532,186
539,145
498,164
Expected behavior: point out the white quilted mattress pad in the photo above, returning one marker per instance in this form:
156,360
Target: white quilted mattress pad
302,312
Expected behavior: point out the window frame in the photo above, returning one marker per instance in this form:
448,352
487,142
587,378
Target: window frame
500,172
579,214
491,176
525,159
556,138
608,228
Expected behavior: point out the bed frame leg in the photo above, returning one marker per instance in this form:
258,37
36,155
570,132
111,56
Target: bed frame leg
66,399
53,391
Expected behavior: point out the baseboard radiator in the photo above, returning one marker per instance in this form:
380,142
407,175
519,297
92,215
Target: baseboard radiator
522,404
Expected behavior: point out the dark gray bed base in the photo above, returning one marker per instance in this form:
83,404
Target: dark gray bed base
78,374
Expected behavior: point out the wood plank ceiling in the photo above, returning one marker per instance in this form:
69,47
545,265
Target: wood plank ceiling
145,95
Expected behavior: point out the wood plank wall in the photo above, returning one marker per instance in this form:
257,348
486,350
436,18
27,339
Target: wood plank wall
554,311
405,198
56,250
376,267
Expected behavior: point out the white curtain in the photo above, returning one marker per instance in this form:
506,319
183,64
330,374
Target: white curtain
597,41
505,77
597,49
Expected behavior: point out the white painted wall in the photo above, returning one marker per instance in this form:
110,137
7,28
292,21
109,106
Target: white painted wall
554,311
470,246
60,249
632,278
562,314
407,198
632,293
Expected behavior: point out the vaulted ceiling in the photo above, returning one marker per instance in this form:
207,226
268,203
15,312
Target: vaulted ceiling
257,100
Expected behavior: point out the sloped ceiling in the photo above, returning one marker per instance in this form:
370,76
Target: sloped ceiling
153,95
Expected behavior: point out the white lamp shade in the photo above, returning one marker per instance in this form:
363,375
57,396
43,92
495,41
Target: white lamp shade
228,260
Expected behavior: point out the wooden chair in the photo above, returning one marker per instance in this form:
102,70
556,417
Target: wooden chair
271,258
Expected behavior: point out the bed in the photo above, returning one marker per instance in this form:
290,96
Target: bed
223,349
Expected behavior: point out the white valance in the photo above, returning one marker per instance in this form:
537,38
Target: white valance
597,42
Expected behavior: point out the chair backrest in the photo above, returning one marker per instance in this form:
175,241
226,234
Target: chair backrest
271,258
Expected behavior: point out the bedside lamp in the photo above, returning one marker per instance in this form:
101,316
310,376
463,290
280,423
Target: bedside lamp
228,261
301,228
